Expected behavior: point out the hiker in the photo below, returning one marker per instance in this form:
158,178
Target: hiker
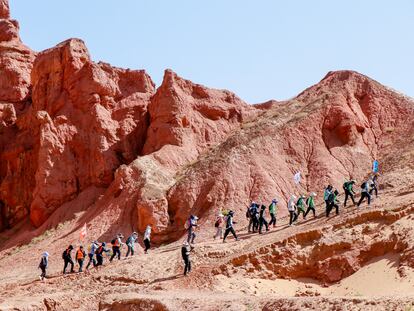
191,227
364,193
300,205
67,258
373,185
272,212
99,254
116,246
262,219
147,239
332,203
185,253
130,243
326,193
349,191
292,210
310,203
80,257
219,226
91,254
254,220
229,227
44,262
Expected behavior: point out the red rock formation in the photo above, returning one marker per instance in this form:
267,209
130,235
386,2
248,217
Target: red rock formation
330,132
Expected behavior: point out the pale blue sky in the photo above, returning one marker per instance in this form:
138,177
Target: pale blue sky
258,49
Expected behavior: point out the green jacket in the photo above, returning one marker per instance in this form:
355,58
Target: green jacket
310,201
300,204
272,208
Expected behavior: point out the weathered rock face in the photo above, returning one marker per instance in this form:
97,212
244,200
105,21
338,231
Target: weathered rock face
84,120
330,133
4,9
186,120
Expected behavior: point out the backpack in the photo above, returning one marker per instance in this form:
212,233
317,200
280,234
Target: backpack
64,254
363,185
42,262
253,211
128,241
98,250
307,201
113,241
345,186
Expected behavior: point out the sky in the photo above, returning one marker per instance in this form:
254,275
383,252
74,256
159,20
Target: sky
261,50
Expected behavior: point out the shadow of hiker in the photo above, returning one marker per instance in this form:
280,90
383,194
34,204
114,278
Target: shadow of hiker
170,278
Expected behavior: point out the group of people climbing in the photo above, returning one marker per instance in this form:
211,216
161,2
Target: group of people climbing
256,214
97,252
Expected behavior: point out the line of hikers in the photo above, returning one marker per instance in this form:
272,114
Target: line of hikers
255,214
97,252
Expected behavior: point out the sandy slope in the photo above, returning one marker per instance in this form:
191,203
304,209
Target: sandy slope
154,281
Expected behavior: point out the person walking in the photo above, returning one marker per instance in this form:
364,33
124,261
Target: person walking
272,212
44,263
332,203
326,193
262,219
116,247
192,225
130,243
349,191
91,254
300,206
219,226
373,185
229,227
254,219
364,193
67,258
80,257
185,253
310,202
99,254
147,239
292,210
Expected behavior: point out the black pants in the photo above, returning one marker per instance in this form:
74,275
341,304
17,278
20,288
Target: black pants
272,220
262,222
43,274
115,251
293,217
249,228
363,196
91,260
99,259
330,207
255,224
187,264
228,230
130,250
80,262
349,194
67,262
147,244
310,208
326,204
